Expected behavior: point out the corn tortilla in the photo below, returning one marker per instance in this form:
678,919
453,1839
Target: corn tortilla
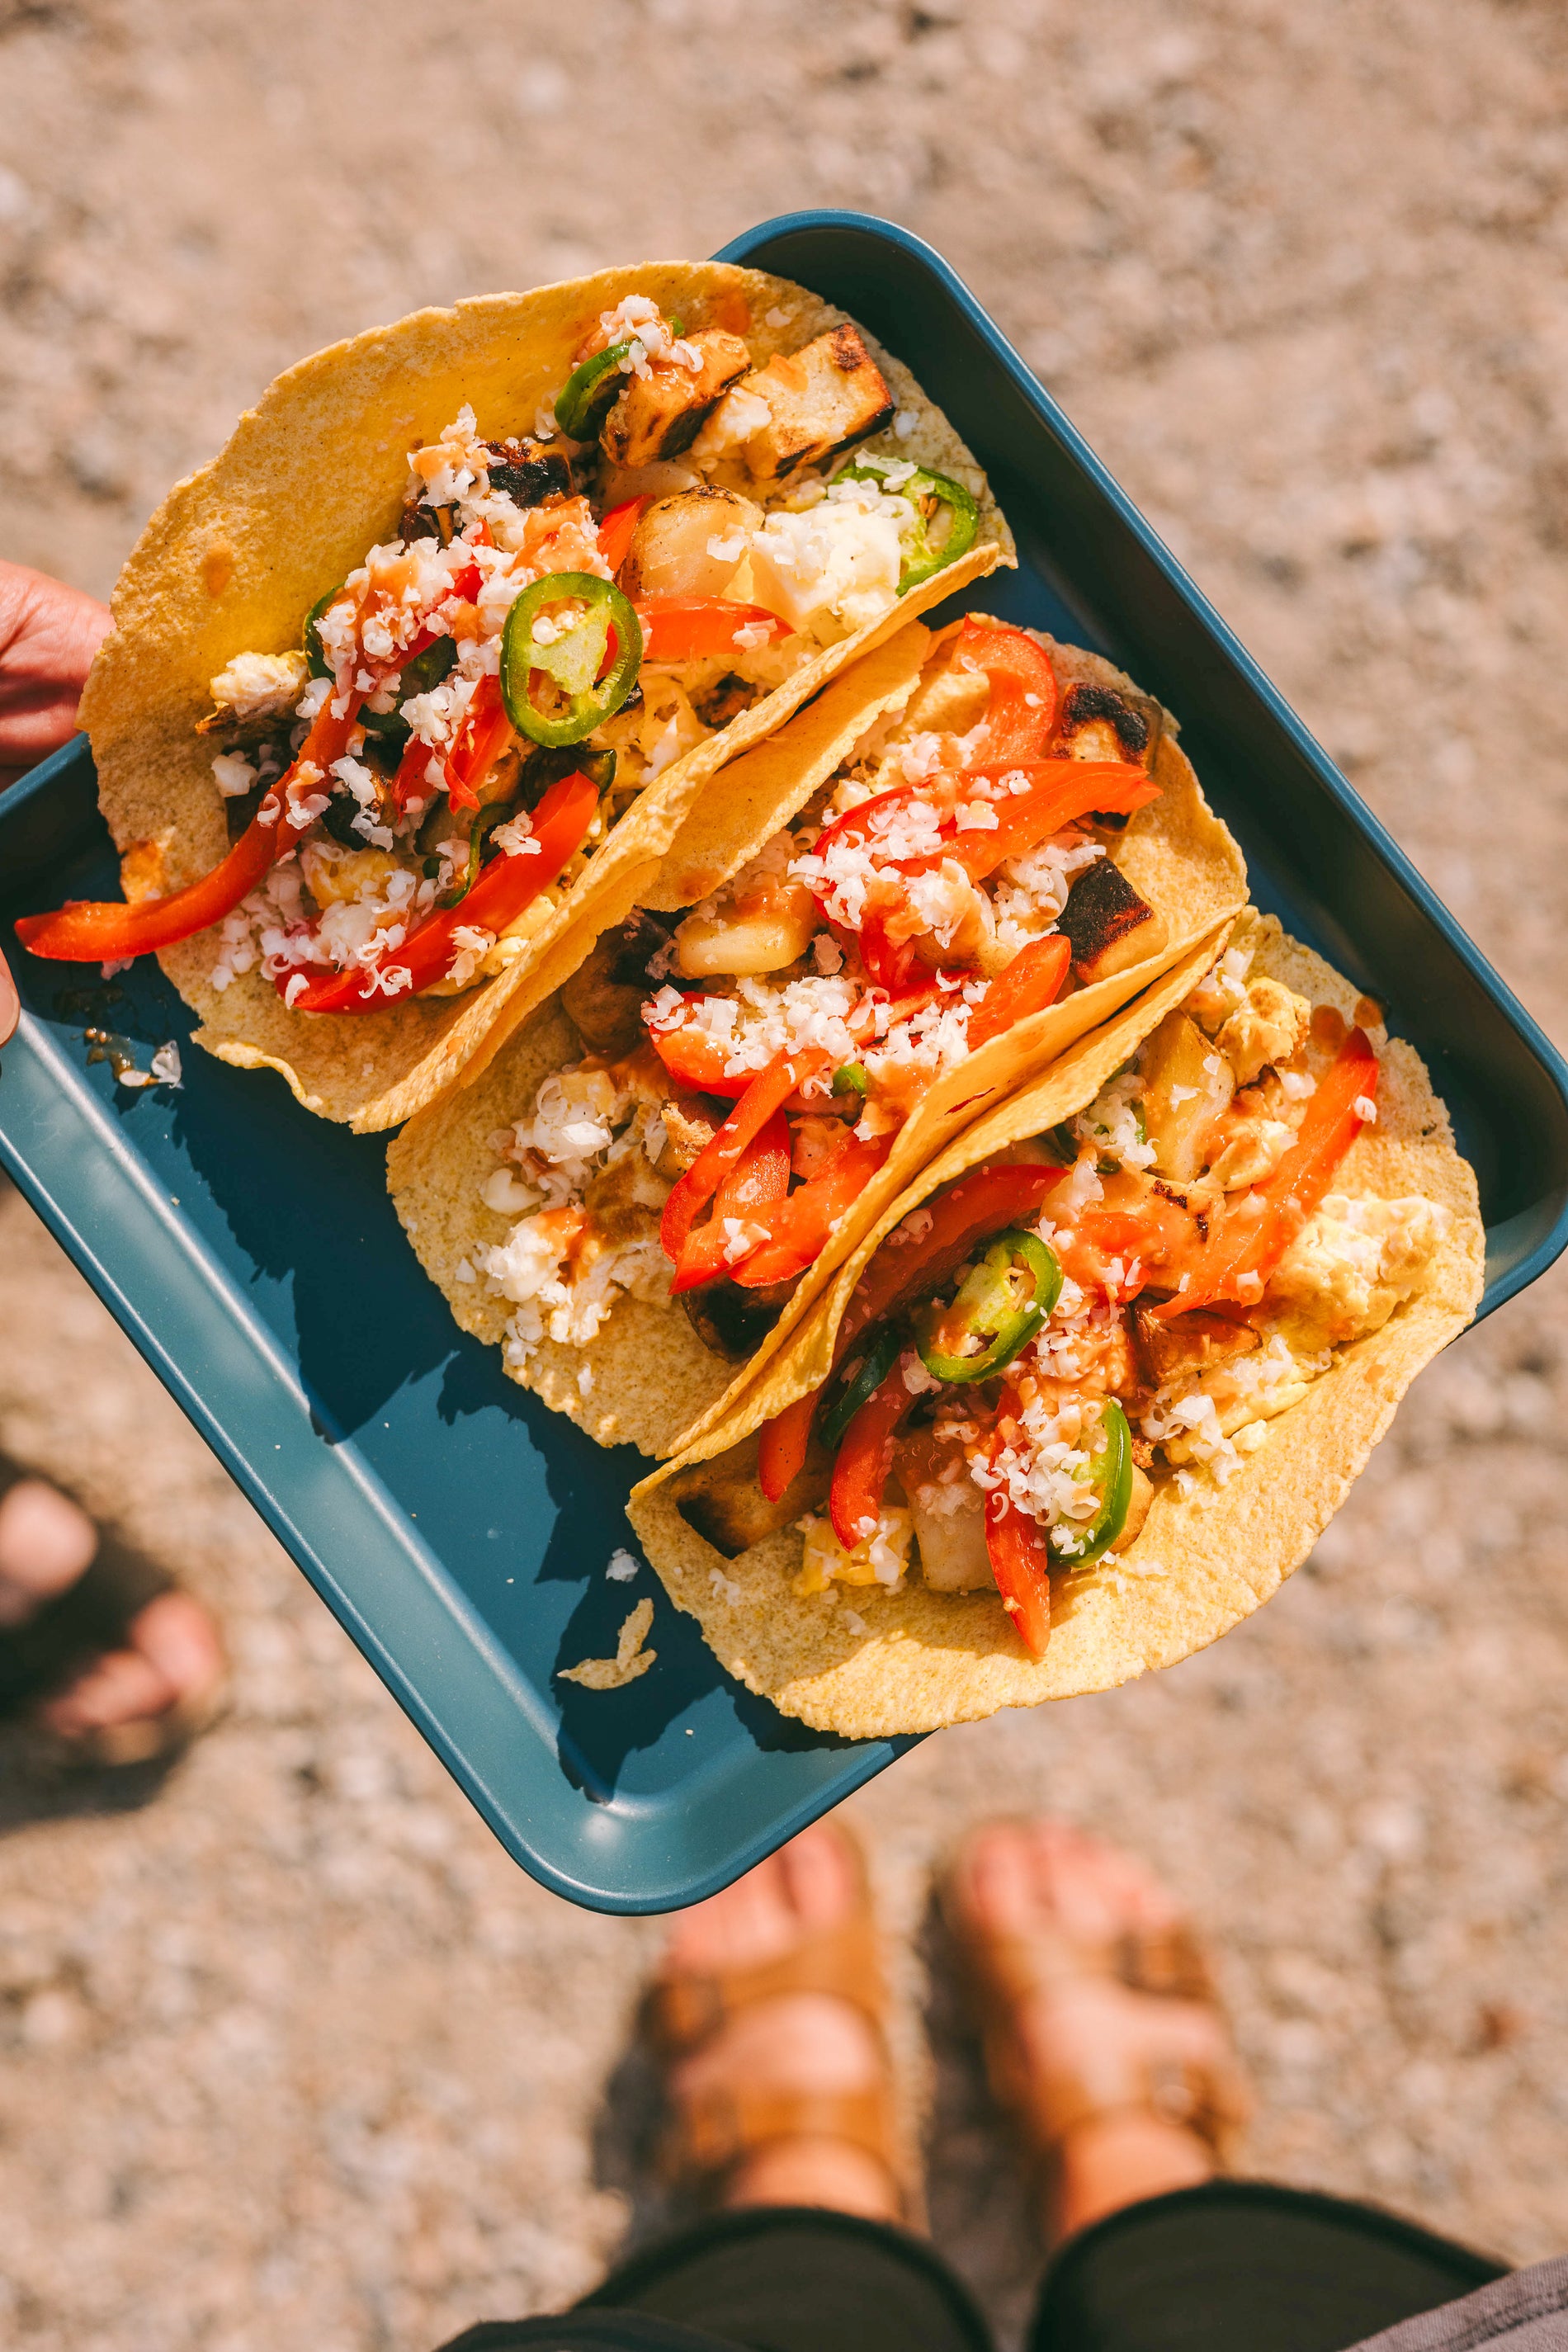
1201,1563
652,1383
311,478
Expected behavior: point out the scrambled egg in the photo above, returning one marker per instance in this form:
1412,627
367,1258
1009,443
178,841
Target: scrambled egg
1351,1266
879,1558
1270,1026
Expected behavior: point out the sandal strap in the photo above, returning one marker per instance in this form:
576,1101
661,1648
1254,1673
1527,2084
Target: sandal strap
1169,1961
1094,2081
720,2125
844,1961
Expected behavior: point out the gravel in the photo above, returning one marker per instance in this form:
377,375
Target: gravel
291,2052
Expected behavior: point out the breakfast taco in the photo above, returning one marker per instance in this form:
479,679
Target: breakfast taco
1093,1387
970,851
417,680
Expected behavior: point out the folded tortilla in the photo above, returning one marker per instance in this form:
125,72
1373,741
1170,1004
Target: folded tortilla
311,478
645,1378
915,1660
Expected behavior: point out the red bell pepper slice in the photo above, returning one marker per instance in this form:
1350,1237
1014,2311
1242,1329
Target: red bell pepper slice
890,967
800,1228
1024,695
865,1457
485,734
505,886
616,531
1061,791
694,628
92,931
759,1179
1020,1562
977,1206
1031,982
782,1446
767,1092
1252,1236
697,1063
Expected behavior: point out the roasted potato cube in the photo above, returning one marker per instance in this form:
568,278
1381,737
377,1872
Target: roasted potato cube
748,939
954,1557
1107,925
722,1500
820,400
671,553
1187,1084
1194,1343
661,413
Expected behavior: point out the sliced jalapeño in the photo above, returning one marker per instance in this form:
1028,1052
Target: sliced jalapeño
1001,1304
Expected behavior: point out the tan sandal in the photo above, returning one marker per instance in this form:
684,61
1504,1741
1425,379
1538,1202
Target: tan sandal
712,2132
1003,1972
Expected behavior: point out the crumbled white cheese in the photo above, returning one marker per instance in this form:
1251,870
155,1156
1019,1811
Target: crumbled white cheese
259,686
233,775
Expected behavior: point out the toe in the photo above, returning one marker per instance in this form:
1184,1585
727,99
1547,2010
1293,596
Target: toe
819,1876
47,1542
119,1687
180,1641
809,1884
996,1879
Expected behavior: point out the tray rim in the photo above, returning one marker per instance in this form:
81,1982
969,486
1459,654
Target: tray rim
858,1764
749,248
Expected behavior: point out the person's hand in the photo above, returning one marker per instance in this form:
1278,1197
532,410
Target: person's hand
48,636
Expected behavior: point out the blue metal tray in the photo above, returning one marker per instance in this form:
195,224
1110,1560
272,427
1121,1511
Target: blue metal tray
457,1530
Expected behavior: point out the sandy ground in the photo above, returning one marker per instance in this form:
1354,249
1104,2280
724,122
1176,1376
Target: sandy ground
292,2052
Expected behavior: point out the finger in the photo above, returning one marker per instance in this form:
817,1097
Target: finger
10,1004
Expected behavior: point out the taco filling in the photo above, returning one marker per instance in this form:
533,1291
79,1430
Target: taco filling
1123,1303
558,618
754,1063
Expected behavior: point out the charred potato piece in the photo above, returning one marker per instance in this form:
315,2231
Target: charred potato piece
1188,1085
669,555
723,1502
661,413
820,400
1109,927
732,1321
1100,722
1194,1343
607,1014
528,472
605,995
420,521
1138,1504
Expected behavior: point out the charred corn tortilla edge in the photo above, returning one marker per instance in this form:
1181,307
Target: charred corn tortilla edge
311,477
1200,1564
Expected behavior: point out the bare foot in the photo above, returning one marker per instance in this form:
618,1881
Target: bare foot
801,2043
1078,2044
172,1659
